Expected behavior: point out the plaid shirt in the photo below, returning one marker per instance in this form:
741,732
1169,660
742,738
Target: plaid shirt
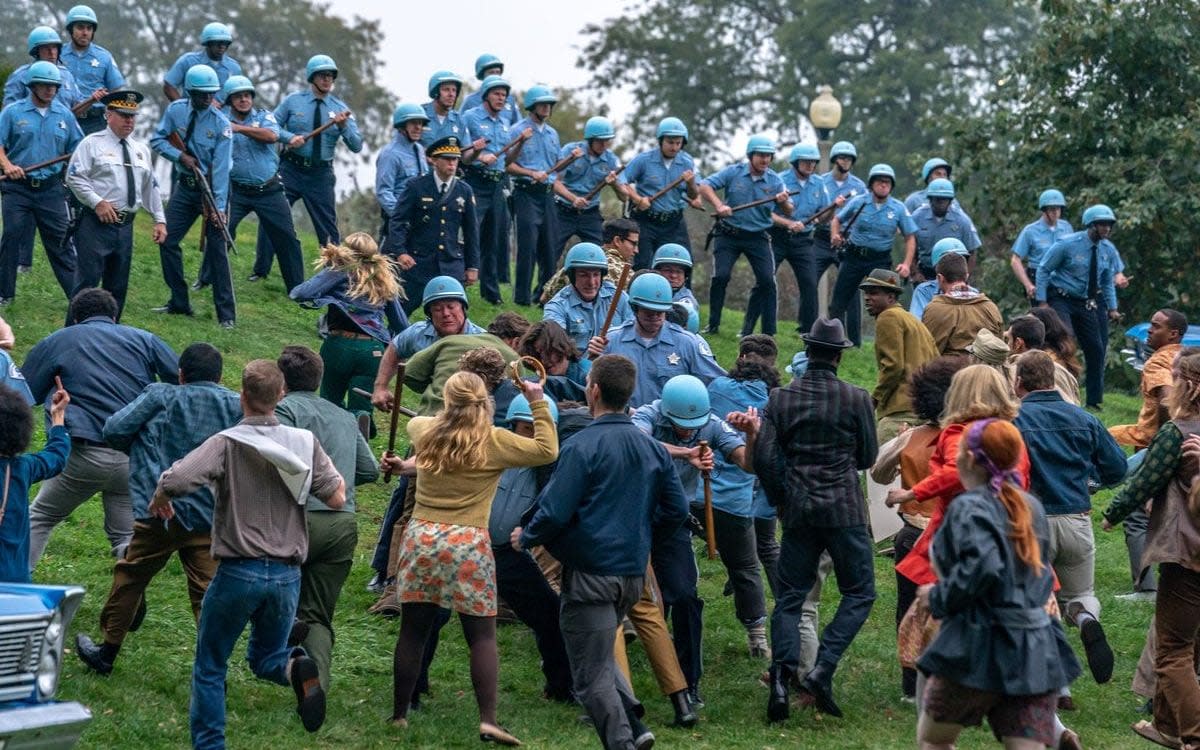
1151,478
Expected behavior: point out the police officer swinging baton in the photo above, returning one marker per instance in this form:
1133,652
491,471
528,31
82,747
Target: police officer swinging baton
40,164
315,131
206,194
671,186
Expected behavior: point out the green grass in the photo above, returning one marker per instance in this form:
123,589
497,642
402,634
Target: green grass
144,703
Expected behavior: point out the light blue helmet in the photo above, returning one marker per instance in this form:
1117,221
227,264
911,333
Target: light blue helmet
407,112
760,144
493,82
685,306
586,255
43,72
940,188
1098,213
599,127
798,365
443,76
216,32
685,402
443,287
539,94
933,164
804,152
41,36
81,14
843,148
1051,198
201,78
519,409
650,291
945,246
485,61
236,85
319,64
671,127
879,171
673,254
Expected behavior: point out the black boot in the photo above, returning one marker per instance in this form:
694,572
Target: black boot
819,684
685,715
777,701
98,658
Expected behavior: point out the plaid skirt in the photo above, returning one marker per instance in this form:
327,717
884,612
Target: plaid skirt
448,565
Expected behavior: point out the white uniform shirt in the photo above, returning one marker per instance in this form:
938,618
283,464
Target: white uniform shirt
97,172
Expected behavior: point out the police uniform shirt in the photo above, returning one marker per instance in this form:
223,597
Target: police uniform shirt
10,375
397,162
930,229
850,185
93,68
211,144
1036,238
582,320
31,136
721,438
1066,266
540,152
585,173
672,352
422,334
921,198
651,173
509,114
812,196
97,173
224,68
15,88
254,162
877,224
482,124
295,113
740,187
438,128
684,295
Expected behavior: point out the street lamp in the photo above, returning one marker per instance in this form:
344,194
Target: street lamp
825,112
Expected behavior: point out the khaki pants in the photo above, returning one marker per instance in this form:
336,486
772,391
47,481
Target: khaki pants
1072,552
647,618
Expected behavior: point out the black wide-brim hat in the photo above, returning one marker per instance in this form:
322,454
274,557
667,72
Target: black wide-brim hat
829,333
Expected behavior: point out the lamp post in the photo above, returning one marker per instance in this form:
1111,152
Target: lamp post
825,113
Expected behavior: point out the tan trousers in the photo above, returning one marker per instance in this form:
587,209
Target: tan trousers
647,619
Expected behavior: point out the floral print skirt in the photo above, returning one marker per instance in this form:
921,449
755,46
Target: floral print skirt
448,565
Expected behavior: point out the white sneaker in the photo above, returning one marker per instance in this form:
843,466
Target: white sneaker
756,639
1138,596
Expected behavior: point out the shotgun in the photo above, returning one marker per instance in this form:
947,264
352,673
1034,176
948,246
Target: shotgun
206,195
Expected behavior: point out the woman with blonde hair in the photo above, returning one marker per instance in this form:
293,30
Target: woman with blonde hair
357,284
1170,479
446,555
998,652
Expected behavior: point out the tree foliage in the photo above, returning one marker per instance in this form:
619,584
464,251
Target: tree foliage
1103,107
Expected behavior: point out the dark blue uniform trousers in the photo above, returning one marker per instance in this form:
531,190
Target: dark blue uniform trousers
757,248
104,253
537,233
522,586
314,185
1090,329
846,298
674,563
25,208
183,209
653,234
491,210
274,214
809,257
587,225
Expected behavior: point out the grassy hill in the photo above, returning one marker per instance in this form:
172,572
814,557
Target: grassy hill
144,703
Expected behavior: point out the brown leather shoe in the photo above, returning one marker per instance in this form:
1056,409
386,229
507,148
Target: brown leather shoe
388,604
499,735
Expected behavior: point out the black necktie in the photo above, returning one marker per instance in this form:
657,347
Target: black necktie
442,191
417,159
316,139
1093,273
130,185
187,134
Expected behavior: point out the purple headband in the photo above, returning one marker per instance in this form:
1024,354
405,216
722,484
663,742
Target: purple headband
997,476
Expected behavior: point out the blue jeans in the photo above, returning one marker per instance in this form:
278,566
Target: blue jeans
852,553
263,593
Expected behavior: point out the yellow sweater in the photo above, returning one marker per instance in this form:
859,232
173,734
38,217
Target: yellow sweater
464,496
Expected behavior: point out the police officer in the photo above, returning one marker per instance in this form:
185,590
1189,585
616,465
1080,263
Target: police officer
95,71
673,262
581,306
1076,279
924,292
792,240
1037,237
869,221
840,183
485,175
936,219
839,180
307,168
661,350
936,168
401,159
487,65
432,212
442,118
45,45
215,38
745,231
112,176
533,200
578,215
33,131
661,221
207,138
255,186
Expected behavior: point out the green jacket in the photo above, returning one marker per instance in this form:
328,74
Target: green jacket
902,344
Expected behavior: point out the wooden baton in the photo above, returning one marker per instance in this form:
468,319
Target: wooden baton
673,184
596,190
391,445
316,131
710,532
40,164
367,394
612,308
758,202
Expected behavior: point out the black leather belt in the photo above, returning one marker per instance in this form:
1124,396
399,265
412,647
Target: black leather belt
658,217
259,189
123,217
486,175
533,188
564,206
304,162
42,183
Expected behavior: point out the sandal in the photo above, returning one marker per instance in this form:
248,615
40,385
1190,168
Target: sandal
1146,731
497,734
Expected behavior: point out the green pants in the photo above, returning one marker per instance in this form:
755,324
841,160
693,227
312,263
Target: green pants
350,363
332,536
